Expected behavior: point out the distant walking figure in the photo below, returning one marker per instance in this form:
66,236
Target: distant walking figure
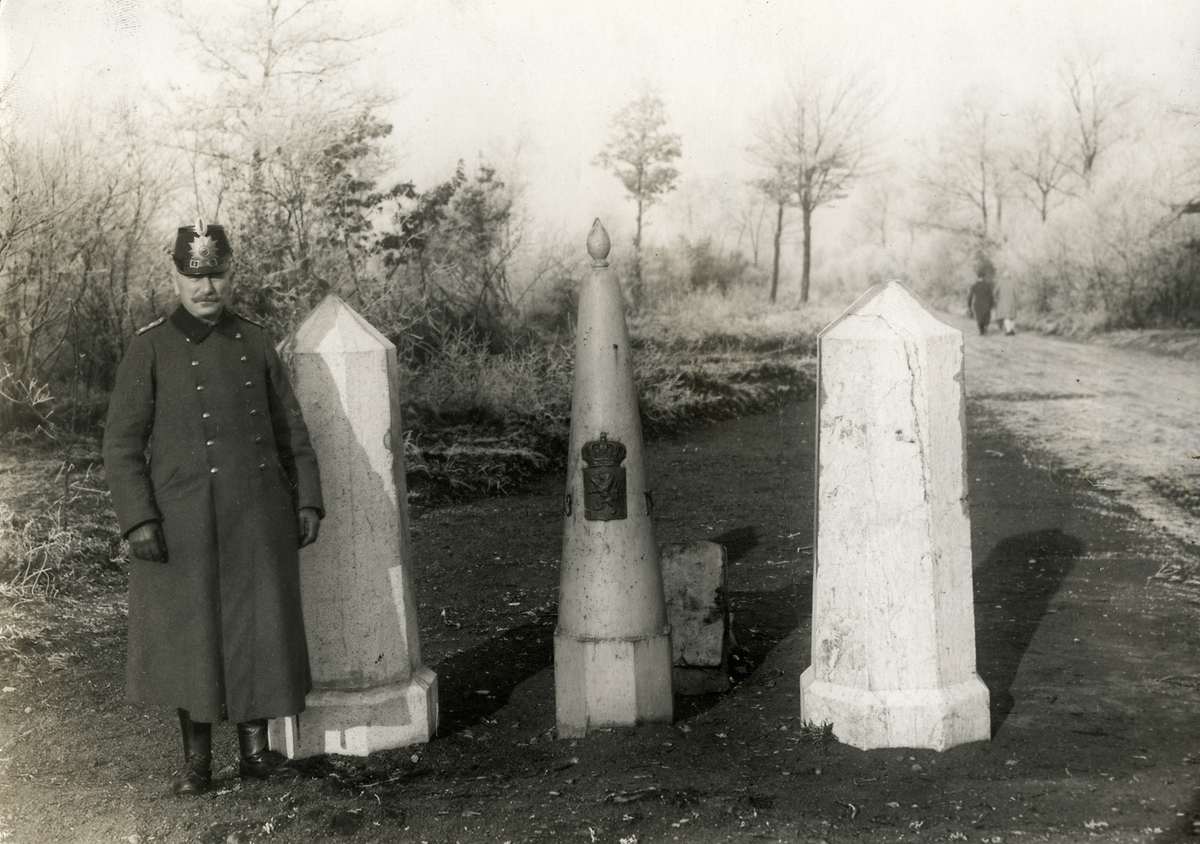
982,295
1006,307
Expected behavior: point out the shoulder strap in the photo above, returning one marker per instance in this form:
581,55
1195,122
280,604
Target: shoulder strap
154,324
251,321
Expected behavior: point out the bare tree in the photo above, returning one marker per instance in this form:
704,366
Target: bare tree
749,215
882,208
819,136
1043,163
283,143
776,188
640,152
74,252
965,175
1096,99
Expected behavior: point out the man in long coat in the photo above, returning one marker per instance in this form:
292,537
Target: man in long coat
981,297
216,486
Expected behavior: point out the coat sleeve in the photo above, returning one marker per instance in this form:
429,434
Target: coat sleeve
291,436
126,433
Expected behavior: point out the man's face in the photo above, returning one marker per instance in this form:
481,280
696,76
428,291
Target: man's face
204,297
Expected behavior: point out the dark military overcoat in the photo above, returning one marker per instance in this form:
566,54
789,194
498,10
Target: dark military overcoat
980,300
204,434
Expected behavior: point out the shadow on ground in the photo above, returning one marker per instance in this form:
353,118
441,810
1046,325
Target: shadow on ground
474,683
738,542
1014,587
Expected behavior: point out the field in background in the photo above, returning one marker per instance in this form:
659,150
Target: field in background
481,423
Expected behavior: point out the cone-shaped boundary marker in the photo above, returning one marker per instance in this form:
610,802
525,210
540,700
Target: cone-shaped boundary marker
612,647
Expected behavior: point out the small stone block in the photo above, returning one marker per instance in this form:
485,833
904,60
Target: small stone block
356,723
694,585
611,683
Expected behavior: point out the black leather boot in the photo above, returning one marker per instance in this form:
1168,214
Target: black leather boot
257,761
196,776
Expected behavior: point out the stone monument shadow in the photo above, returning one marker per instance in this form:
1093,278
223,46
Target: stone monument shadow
369,484
1013,588
738,542
477,682
760,619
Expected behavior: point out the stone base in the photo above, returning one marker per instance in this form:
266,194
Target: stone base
936,719
690,680
611,682
356,723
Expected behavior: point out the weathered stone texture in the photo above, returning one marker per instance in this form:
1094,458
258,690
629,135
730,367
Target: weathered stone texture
697,607
371,690
893,643
612,652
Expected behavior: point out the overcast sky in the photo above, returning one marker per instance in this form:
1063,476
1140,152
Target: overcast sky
542,78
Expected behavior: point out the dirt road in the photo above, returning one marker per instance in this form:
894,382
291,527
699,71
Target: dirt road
1128,419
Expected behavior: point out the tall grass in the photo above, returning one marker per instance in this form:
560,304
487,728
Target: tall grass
486,423
51,540
740,321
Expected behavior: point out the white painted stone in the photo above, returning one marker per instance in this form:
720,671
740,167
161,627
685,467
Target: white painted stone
694,583
612,649
359,722
611,682
371,690
893,641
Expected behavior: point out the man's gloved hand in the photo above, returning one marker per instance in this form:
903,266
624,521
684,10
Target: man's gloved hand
147,542
309,526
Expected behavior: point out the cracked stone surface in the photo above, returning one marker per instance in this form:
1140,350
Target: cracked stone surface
893,647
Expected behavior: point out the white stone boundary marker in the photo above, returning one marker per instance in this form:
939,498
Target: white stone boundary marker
612,647
893,628
370,690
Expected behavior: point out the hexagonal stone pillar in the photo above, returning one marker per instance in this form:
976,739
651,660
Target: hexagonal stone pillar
893,626
612,646
371,691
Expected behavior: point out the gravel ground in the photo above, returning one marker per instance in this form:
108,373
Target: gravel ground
1127,418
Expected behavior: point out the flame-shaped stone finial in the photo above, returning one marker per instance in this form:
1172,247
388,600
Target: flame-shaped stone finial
598,244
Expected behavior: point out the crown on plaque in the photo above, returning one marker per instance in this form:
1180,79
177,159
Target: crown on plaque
603,452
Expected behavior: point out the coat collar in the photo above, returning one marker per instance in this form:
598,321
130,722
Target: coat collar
197,330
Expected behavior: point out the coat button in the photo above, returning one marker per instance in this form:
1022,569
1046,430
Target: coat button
213,470
199,386
262,465
195,363
237,336
205,415
258,438
209,442
242,358
253,412
249,383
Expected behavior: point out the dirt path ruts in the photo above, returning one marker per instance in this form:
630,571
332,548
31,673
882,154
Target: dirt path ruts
1128,420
